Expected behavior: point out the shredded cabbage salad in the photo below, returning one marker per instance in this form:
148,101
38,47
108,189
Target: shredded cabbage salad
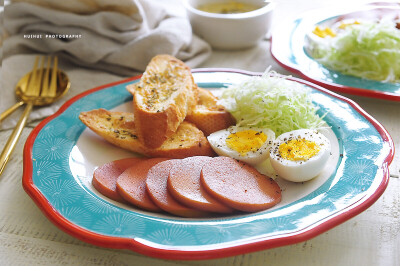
369,50
271,101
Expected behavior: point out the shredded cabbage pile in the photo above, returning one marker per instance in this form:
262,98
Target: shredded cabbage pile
271,101
369,50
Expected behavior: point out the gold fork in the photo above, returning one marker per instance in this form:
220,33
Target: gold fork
10,110
39,87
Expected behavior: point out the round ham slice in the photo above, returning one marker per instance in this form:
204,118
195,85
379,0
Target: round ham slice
131,184
184,186
239,185
156,184
105,177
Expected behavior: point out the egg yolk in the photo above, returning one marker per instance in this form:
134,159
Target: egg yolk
323,32
245,141
298,149
345,25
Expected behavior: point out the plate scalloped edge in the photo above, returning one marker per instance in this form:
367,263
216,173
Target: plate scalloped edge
224,251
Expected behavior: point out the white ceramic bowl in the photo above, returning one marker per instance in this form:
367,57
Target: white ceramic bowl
230,31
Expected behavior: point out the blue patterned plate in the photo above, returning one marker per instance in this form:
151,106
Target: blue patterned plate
61,154
288,49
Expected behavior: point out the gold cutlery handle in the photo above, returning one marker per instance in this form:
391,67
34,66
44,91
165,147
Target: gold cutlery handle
10,110
12,141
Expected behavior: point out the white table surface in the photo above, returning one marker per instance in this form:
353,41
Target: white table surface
371,238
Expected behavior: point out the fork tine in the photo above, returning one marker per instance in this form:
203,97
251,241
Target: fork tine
32,77
40,75
53,82
45,85
34,88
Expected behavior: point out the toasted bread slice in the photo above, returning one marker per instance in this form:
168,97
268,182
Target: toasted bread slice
119,129
207,115
162,98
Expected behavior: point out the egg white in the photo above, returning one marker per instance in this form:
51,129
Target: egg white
303,170
217,141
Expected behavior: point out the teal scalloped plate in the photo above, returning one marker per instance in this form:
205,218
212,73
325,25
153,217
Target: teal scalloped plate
61,154
288,49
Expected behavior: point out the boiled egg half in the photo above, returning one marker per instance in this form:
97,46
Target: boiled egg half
247,144
300,155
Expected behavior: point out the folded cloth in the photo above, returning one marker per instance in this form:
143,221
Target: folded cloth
2,35
92,38
127,7
107,40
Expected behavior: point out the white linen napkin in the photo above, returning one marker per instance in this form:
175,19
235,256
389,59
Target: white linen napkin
98,41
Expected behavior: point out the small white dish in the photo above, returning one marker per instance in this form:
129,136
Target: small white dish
230,31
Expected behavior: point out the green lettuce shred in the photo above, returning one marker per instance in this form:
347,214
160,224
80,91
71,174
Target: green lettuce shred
271,101
369,50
